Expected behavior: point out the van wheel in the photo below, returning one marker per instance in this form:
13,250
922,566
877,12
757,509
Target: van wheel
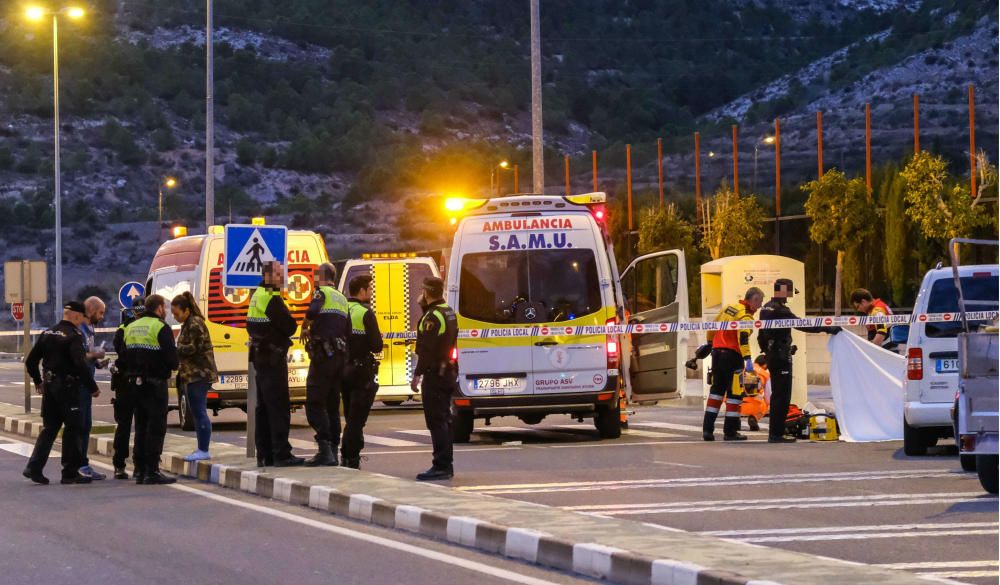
184,412
968,462
915,440
461,426
608,421
986,466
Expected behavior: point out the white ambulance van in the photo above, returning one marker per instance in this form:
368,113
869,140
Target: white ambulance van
546,263
194,263
397,279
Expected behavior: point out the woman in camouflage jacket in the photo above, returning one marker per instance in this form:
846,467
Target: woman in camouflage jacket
197,367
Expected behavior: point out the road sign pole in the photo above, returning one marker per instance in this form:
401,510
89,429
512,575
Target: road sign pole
25,284
251,411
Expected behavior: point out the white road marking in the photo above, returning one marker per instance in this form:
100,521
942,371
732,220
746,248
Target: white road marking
22,449
689,428
938,565
962,574
734,480
863,528
390,442
782,503
812,534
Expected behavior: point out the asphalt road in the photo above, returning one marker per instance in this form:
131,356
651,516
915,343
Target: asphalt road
866,503
115,532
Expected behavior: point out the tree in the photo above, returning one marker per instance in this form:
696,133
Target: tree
940,209
842,216
664,229
733,223
897,246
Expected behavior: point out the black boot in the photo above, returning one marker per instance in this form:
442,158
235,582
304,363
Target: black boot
352,462
436,474
708,426
157,478
120,473
731,429
265,460
290,461
35,476
326,457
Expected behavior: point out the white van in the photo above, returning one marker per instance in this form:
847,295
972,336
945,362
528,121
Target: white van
931,382
546,263
397,280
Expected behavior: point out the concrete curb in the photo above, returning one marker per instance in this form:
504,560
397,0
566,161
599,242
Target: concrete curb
588,559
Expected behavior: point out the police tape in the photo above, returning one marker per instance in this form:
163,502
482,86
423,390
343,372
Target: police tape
685,326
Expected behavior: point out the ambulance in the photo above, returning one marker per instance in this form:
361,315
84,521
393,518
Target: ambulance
195,263
526,273
397,280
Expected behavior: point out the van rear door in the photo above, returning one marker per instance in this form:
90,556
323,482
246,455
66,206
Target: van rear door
655,291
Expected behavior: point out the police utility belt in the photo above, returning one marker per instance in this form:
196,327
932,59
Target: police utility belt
327,347
50,377
141,380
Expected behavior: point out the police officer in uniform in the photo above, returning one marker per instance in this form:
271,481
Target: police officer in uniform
324,333
150,356
730,355
776,345
437,375
271,327
63,359
364,343
124,401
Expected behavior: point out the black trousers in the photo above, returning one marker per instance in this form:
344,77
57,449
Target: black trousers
124,404
726,363
60,407
359,395
273,415
323,387
781,395
436,392
151,400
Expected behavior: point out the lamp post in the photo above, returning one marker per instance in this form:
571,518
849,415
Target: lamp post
756,147
169,183
495,176
37,14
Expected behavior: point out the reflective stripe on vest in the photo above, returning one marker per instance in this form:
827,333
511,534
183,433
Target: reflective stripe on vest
144,333
257,313
357,317
442,326
333,301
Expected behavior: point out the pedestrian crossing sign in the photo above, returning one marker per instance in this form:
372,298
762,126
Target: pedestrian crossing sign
248,248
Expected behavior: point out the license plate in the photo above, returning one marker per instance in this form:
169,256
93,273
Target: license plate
499,386
297,377
239,381
948,366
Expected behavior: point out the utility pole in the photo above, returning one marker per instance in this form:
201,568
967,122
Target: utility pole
55,85
209,120
537,155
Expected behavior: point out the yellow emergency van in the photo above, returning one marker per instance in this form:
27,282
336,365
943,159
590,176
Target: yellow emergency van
195,263
397,279
544,265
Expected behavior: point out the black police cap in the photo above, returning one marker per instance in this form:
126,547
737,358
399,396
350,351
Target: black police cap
76,307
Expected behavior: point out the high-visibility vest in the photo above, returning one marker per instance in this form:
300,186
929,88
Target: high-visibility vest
333,301
144,333
257,313
357,311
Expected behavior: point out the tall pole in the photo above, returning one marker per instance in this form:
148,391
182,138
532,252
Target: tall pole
593,156
517,179
819,145
628,184
868,148
697,177
537,156
659,165
972,141
566,159
916,123
736,162
209,119
777,186
159,207
58,193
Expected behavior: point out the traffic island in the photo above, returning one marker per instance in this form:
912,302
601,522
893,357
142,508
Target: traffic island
620,551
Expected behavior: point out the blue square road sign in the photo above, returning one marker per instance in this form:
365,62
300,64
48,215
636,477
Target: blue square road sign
247,248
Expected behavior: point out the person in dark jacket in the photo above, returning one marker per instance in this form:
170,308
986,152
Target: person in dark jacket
151,356
776,345
364,345
124,401
63,359
197,370
271,326
436,375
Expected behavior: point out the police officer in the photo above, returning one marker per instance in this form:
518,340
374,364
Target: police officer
730,355
364,343
271,327
776,345
63,359
124,401
151,356
437,375
324,333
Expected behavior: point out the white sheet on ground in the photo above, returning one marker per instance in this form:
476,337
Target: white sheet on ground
867,384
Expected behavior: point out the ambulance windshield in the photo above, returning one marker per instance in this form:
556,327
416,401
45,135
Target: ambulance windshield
529,286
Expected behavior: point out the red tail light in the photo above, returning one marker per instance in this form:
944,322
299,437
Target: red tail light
599,212
454,354
614,355
914,363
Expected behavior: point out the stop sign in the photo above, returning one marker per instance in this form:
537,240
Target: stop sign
17,311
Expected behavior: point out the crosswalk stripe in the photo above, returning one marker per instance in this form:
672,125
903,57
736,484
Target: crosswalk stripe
390,442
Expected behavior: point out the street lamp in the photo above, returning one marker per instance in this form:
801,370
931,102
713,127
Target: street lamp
764,140
38,14
495,176
169,183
